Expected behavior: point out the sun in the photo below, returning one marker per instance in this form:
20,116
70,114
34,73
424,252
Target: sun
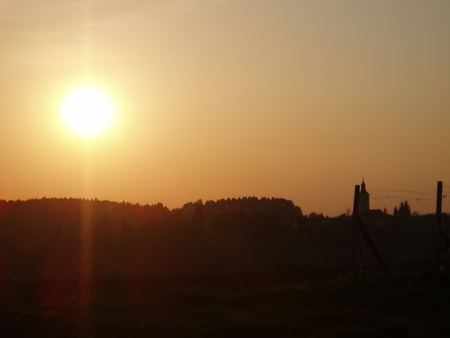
88,111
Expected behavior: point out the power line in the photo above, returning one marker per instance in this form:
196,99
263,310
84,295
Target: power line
412,195
402,197
406,191
418,200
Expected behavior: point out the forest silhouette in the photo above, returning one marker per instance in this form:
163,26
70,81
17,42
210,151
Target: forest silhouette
45,238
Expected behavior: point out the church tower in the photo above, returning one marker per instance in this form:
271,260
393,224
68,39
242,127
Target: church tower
363,199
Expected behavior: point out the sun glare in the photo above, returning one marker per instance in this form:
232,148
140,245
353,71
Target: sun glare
88,111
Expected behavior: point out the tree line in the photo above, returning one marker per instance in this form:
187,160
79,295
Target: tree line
47,238
51,233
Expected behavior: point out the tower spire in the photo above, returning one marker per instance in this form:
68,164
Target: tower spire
363,186
363,199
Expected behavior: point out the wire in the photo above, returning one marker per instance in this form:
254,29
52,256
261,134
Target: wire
407,191
402,197
445,193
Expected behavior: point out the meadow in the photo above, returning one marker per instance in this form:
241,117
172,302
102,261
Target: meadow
295,302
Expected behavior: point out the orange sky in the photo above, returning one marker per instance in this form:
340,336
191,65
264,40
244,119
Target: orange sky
217,99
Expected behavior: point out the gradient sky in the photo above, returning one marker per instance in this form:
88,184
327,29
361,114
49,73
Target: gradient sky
217,99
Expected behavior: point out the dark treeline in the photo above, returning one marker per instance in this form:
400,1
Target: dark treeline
47,237
57,238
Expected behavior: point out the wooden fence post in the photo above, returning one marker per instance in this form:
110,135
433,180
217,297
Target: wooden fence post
354,231
438,223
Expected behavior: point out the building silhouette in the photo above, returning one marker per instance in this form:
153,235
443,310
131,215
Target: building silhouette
364,196
370,216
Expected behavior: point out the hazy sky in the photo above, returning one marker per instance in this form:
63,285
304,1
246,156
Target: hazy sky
216,99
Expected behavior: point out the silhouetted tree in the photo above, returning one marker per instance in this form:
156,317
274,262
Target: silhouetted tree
404,210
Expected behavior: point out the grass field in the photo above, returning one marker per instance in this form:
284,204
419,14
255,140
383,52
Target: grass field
281,303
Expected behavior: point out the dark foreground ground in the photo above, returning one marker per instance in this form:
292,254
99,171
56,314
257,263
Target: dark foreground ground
306,302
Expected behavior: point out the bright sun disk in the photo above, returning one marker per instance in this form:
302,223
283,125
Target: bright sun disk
88,111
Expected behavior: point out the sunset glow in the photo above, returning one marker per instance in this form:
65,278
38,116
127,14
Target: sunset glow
221,99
